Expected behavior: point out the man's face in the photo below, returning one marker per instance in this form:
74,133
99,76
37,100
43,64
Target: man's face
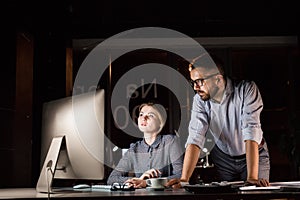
204,84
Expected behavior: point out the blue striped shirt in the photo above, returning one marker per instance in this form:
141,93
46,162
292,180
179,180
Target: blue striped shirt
229,123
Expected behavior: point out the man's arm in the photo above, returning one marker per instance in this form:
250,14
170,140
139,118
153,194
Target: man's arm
191,157
252,157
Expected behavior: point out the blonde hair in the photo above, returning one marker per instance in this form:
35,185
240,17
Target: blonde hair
161,113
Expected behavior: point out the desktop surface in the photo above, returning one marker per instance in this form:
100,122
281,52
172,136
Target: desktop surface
172,194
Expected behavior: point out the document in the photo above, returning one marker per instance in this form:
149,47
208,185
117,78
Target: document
253,187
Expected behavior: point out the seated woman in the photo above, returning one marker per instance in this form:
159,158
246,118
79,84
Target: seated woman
157,155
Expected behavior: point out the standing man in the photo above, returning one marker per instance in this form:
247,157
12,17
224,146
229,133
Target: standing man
230,112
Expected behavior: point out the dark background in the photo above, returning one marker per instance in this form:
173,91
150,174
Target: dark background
37,38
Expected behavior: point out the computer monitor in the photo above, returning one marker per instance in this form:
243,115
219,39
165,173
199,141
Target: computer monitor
73,139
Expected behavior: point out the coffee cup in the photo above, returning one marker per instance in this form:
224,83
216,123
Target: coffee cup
157,182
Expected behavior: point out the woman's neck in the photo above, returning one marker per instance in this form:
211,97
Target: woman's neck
150,137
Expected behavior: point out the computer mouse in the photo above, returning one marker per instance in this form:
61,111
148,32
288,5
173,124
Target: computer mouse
81,186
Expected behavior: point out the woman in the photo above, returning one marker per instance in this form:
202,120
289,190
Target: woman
156,155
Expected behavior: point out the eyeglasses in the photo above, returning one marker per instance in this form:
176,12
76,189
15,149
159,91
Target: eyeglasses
200,81
122,187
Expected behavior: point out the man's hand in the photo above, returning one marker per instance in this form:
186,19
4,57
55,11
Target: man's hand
260,182
176,183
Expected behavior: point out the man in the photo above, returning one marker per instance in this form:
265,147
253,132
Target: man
230,112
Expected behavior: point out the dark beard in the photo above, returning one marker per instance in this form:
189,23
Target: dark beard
204,96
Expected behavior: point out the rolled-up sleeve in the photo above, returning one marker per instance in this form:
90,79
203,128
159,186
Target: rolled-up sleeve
252,107
120,173
176,156
198,125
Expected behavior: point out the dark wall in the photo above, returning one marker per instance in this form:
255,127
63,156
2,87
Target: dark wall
7,107
53,25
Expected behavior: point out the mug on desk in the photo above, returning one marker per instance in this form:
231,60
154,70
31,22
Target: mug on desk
157,182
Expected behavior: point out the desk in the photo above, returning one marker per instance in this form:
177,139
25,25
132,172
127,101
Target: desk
178,194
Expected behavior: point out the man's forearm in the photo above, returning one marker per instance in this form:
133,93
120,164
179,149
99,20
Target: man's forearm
252,157
191,157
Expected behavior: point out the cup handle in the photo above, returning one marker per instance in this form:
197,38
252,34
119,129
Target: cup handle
148,182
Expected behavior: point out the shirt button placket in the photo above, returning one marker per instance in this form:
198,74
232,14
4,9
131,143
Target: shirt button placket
150,157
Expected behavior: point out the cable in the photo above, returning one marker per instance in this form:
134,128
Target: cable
48,167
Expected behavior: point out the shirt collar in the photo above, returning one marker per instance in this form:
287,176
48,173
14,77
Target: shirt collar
228,90
155,144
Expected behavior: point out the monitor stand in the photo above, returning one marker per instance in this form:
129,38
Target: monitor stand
44,183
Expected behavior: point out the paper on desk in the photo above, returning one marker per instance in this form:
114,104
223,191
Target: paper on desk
253,187
287,183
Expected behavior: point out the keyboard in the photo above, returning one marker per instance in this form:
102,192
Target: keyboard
101,187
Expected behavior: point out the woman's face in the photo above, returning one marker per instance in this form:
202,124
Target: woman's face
148,120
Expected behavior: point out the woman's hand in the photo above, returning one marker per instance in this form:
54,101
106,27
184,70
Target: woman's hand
137,182
151,173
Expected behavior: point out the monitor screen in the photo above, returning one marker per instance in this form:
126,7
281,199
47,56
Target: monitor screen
80,121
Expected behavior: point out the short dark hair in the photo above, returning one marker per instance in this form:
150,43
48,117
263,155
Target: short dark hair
219,63
205,60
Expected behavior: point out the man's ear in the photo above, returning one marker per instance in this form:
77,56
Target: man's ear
218,78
